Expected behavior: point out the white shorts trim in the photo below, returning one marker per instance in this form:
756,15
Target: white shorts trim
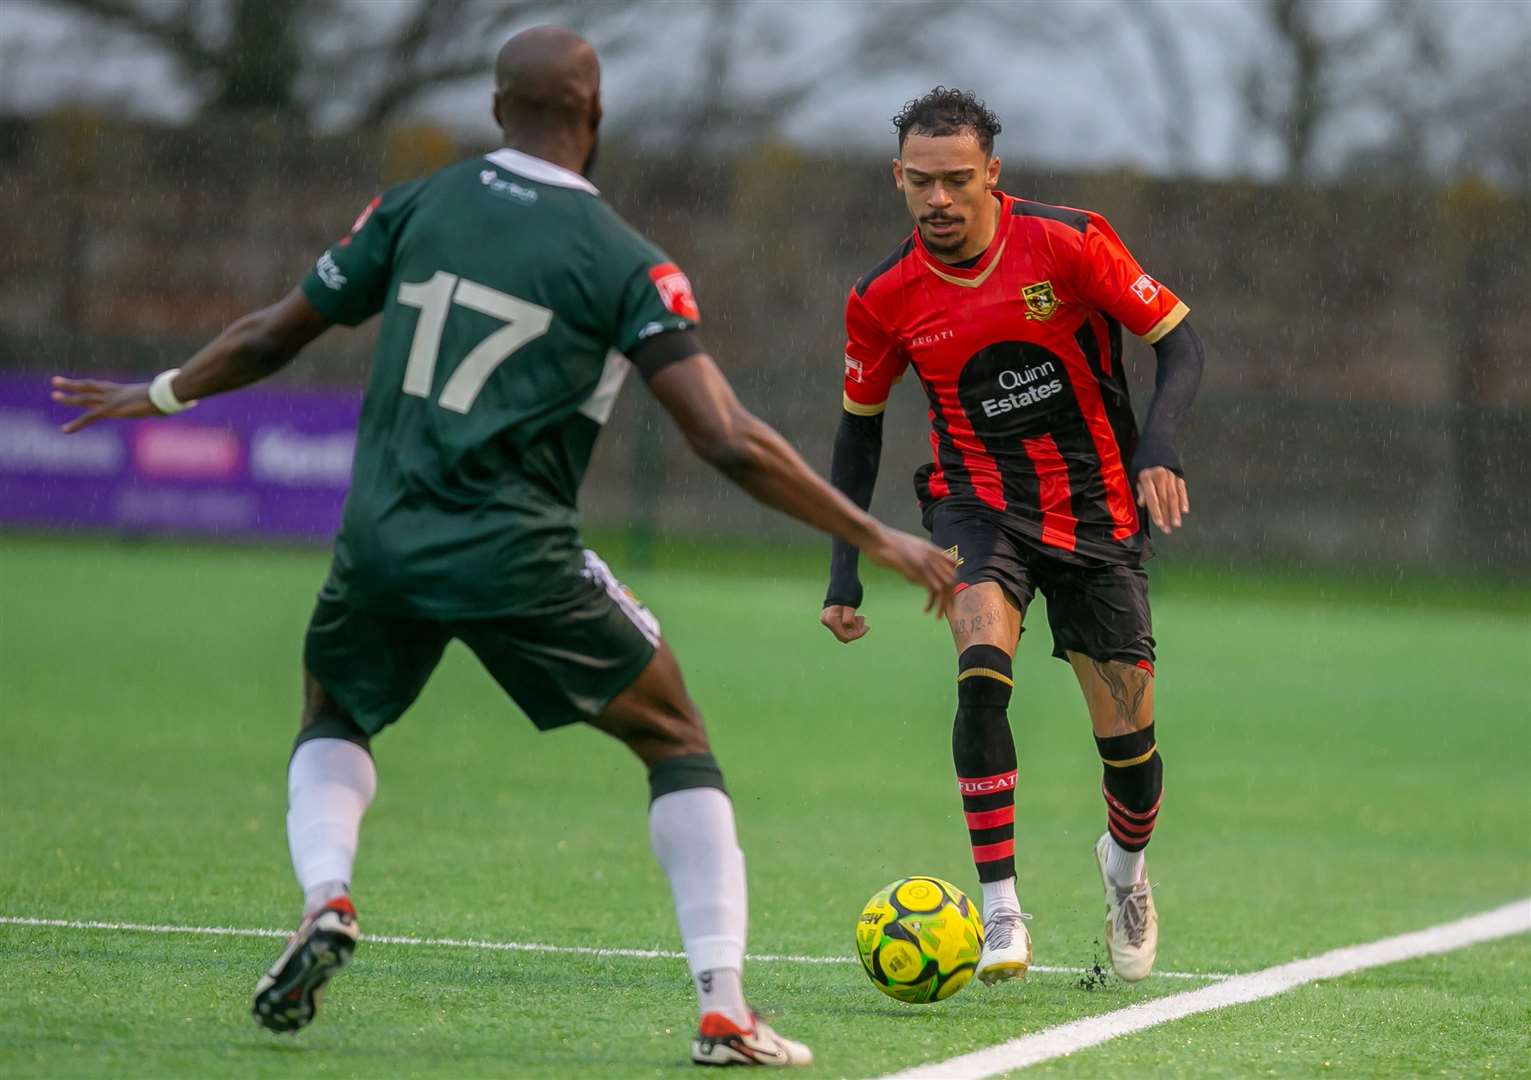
597,571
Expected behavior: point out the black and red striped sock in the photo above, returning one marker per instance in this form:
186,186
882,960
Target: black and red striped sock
983,751
1133,785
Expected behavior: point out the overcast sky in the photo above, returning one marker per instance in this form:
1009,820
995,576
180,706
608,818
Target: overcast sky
1077,107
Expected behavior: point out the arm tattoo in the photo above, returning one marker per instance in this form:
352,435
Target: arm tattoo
1127,686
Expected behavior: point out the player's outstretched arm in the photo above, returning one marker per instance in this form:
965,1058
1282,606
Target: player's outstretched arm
751,454
250,349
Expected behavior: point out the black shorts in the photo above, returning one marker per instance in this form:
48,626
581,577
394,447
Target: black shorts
561,666
1098,609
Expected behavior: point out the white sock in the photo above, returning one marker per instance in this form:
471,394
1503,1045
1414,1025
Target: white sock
999,897
721,990
330,783
692,832
1123,868
323,893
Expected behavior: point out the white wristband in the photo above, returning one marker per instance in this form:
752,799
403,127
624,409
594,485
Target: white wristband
163,398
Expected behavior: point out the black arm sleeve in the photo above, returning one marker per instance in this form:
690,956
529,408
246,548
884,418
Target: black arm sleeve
662,350
853,470
1180,360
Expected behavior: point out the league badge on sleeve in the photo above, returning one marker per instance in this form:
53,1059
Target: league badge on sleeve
852,368
1041,303
675,291
1146,288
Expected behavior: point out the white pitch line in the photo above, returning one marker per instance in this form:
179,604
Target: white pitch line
1039,1046
497,946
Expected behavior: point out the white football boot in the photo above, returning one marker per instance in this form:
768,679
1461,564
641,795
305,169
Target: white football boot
1006,948
1132,924
720,1041
288,995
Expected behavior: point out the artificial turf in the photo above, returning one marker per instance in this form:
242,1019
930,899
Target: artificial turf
1342,764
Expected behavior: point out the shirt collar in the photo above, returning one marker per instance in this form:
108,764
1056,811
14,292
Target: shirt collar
540,169
979,272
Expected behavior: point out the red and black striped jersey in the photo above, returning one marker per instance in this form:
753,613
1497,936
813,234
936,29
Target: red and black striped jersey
1020,355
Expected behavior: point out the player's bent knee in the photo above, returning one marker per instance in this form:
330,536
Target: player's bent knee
675,730
1119,692
985,677
655,717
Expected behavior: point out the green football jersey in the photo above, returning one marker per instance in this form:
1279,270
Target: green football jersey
511,295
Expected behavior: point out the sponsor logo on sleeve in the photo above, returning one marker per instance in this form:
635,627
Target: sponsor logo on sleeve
1146,288
1041,301
674,290
852,368
329,273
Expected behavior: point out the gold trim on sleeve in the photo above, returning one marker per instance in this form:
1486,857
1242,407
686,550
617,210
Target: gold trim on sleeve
1169,322
857,409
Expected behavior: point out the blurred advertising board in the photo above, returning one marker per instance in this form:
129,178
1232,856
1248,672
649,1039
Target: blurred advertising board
252,464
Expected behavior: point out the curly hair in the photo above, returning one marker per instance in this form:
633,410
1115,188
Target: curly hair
947,111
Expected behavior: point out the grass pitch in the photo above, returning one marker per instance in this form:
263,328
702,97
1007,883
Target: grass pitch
1339,767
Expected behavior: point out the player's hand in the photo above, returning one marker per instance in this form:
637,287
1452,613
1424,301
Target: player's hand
1163,493
843,622
102,400
921,562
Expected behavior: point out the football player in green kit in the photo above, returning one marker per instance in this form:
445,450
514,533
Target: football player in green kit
514,302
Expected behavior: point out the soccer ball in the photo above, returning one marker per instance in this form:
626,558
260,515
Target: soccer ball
920,939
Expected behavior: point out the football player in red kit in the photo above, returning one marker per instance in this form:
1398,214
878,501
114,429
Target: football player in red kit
1010,313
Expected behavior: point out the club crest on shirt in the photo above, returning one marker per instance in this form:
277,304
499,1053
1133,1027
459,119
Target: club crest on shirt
1041,303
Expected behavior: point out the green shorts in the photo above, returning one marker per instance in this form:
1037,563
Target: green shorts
560,666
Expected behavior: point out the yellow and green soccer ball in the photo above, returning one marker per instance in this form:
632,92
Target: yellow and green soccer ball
919,939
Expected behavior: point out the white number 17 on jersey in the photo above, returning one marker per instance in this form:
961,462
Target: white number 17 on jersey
524,322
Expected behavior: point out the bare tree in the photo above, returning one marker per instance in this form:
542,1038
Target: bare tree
1326,87
300,60
1168,66
1482,123
1135,51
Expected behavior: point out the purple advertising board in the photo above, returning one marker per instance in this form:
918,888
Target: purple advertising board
254,463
